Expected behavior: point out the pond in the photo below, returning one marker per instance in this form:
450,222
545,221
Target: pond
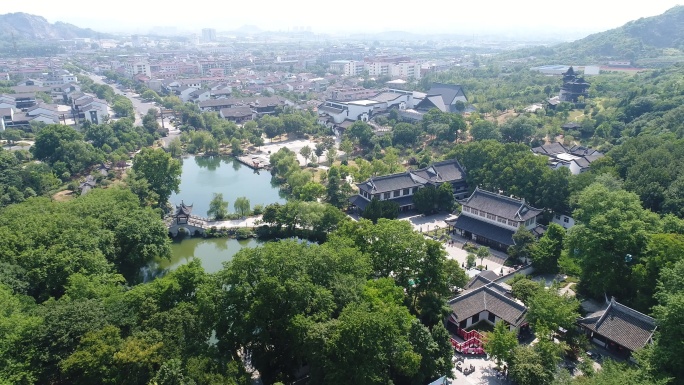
204,176
212,252
201,178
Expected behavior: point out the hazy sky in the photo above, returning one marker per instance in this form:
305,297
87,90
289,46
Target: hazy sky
474,16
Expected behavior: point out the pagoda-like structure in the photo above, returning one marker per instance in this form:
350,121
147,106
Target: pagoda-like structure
182,213
573,87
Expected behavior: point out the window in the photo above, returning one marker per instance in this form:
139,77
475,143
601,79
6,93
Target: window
491,317
397,193
566,220
512,223
406,191
558,216
501,220
385,196
465,209
463,324
491,216
482,214
476,318
475,211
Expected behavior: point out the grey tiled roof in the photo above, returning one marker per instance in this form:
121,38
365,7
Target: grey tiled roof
488,298
385,96
183,209
622,325
550,149
387,183
236,112
484,229
503,206
217,103
481,279
444,171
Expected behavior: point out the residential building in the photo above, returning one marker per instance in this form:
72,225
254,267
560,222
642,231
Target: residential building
133,68
491,219
208,35
576,158
347,67
618,328
401,187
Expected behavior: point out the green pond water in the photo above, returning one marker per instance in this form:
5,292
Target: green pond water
201,178
212,252
204,176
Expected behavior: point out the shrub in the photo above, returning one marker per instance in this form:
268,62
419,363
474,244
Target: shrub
243,233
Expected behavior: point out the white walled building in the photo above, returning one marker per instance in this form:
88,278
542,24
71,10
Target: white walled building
347,67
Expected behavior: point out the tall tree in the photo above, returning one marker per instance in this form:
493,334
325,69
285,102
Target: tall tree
547,251
500,343
306,153
218,207
612,233
161,171
241,206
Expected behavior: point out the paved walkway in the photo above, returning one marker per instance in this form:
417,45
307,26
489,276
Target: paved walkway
484,373
244,222
454,249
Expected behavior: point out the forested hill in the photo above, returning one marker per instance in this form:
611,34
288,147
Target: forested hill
659,36
24,26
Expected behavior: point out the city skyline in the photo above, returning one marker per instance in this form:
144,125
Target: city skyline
580,17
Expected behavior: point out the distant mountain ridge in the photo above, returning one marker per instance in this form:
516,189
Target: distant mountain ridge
641,39
33,27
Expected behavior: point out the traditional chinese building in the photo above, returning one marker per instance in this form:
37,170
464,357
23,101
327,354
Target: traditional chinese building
618,328
491,219
182,213
573,87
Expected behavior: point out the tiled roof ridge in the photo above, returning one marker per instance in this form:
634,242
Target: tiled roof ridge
629,311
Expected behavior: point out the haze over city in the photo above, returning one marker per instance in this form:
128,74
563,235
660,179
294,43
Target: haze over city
575,19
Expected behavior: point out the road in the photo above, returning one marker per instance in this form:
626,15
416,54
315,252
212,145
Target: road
141,109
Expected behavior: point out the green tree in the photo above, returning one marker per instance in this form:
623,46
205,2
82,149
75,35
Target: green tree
547,251
482,253
331,155
484,129
347,147
500,343
445,197
612,226
161,171
527,367
50,139
175,148
425,200
524,244
550,309
306,153
334,194
524,289
242,206
377,209
218,207
360,132
12,136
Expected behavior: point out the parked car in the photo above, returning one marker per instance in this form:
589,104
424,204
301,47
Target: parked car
594,356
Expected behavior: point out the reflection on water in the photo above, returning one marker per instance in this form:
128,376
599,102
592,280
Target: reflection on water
212,252
204,176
